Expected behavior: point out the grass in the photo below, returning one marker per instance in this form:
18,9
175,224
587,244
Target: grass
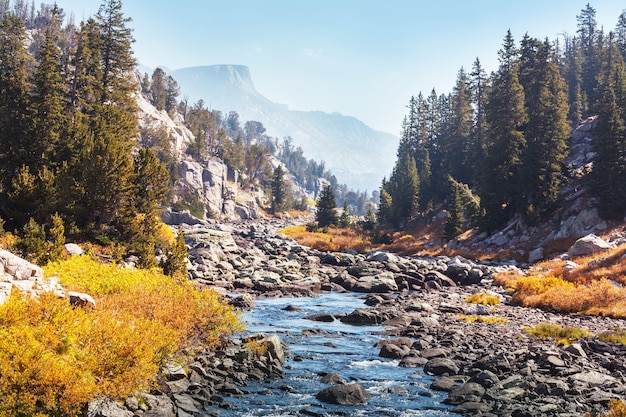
483,298
482,319
333,240
594,287
617,336
556,331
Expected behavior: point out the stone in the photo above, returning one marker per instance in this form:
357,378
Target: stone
19,268
105,407
441,366
588,245
332,378
468,392
381,283
73,249
535,255
79,299
346,394
443,384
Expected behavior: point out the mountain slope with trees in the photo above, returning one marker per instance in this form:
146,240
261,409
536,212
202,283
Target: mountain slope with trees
505,137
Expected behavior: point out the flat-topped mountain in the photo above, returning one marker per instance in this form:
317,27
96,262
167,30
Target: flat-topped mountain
357,154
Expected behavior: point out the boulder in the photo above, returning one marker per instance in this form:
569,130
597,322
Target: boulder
73,249
441,366
345,394
383,282
19,268
587,245
105,407
80,299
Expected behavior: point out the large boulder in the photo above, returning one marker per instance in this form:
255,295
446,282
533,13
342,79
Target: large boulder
344,394
18,268
588,245
383,282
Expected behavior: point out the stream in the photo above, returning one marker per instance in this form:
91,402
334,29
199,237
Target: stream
346,350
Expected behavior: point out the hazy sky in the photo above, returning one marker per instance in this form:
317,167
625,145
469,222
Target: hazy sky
362,58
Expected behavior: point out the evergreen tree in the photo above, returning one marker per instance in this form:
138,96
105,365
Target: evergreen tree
14,93
506,117
405,187
117,60
590,39
385,204
479,84
158,89
454,214
608,178
455,144
344,219
572,73
547,129
279,192
326,208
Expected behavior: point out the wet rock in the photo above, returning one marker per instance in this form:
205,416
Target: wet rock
441,366
347,394
323,317
468,392
332,378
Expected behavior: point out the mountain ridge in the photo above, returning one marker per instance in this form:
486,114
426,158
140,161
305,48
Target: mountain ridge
357,154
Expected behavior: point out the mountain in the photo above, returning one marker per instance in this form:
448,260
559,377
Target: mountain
357,155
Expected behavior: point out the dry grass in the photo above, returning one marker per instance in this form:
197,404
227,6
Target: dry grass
595,287
482,319
556,331
483,298
332,240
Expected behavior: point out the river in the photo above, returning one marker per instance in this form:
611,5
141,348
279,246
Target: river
344,349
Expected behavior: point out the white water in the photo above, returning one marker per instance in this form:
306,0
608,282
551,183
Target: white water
347,351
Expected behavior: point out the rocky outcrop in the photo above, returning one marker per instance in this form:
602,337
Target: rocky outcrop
588,245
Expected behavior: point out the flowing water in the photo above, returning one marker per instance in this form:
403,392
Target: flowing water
346,350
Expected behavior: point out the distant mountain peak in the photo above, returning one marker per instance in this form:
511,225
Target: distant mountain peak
225,76
356,154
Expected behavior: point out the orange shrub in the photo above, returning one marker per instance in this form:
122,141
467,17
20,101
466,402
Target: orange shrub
54,357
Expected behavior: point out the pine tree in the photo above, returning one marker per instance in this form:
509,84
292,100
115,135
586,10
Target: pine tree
344,219
590,38
385,204
547,129
57,235
479,84
14,93
326,208
506,117
117,60
608,178
455,144
158,89
279,193
454,215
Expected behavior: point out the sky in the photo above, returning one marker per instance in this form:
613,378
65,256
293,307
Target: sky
361,58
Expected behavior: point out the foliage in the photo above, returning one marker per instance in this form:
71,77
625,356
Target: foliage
556,331
344,219
613,336
326,214
483,298
617,408
175,263
279,191
483,319
54,357
332,239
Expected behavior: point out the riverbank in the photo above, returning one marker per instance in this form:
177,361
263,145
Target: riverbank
489,366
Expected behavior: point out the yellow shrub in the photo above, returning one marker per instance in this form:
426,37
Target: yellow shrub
483,319
483,298
617,408
54,357
556,331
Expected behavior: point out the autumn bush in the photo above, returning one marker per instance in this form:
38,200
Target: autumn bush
330,239
556,331
483,298
482,319
55,357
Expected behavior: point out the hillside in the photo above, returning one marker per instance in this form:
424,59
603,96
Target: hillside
358,155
